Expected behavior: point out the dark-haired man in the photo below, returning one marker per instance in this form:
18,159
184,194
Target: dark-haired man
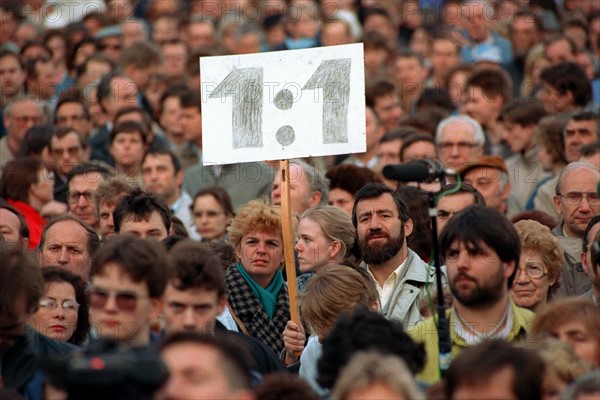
224,372
72,113
481,249
128,279
382,224
196,296
162,175
12,78
565,88
496,370
115,92
82,181
13,226
142,214
68,149
452,201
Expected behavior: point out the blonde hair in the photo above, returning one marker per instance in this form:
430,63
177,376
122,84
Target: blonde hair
536,54
559,359
335,224
331,291
367,368
563,311
537,237
256,216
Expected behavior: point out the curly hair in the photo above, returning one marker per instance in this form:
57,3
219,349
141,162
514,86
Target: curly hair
256,216
537,237
563,311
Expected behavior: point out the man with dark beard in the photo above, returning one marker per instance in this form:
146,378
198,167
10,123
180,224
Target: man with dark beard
403,280
481,249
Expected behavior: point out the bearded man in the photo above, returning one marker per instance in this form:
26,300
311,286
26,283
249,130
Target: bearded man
382,224
481,249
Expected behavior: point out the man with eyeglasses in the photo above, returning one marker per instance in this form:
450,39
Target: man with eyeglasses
67,149
489,175
83,180
459,140
20,114
128,278
576,201
72,113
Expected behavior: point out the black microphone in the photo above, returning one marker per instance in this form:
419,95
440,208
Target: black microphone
417,171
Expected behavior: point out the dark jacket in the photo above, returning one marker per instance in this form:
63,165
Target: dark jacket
23,360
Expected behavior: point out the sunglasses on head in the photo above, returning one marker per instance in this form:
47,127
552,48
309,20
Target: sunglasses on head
125,300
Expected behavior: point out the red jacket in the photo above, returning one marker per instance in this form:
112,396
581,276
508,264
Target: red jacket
35,221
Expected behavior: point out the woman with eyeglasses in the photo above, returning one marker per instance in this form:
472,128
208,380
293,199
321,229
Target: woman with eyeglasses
28,186
541,264
213,211
257,295
63,312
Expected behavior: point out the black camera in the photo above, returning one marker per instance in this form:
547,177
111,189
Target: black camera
106,370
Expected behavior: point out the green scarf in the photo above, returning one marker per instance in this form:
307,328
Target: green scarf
267,296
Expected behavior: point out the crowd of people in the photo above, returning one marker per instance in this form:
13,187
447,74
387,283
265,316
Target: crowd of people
129,269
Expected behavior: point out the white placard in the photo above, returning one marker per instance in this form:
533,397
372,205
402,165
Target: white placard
283,104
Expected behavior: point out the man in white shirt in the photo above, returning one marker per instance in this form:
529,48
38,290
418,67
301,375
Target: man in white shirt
162,175
402,278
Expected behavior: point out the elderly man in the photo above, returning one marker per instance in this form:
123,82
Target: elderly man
576,201
489,175
308,187
82,181
582,128
69,243
460,140
20,114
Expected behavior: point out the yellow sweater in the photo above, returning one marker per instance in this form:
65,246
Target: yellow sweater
426,332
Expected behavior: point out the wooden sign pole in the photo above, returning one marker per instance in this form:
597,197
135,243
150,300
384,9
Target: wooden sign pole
288,240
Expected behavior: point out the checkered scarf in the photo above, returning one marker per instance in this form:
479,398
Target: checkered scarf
252,314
